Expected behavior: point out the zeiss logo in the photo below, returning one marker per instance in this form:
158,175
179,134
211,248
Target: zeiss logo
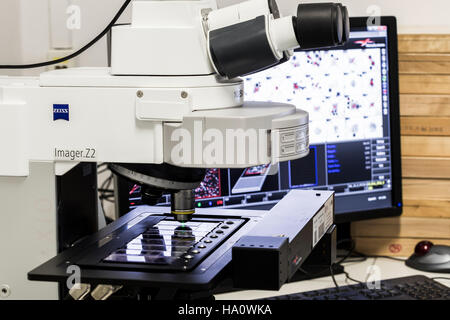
60,112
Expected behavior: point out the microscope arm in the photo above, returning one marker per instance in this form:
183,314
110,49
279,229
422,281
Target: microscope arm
87,115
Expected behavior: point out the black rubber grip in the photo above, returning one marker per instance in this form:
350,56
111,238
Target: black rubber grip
242,48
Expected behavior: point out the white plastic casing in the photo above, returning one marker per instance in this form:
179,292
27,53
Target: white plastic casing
164,38
168,38
280,31
132,118
240,12
282,34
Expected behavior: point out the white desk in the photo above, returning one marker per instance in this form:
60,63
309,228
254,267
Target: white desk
357,270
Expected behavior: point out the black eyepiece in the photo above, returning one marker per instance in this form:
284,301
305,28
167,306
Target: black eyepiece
321,25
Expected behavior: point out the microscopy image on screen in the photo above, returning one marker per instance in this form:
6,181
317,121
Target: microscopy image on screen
256,170
340,89
210,186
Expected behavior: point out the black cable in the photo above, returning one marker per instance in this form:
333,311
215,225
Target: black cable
354,260
392,258
334,279
352,279
381,256
345,258
352,248
103,197
106,190
351,251
103,170
80,51
361,255
440,278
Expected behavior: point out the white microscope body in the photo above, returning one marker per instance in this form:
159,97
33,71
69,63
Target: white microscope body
172,91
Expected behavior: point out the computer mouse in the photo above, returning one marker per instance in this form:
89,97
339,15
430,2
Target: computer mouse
429,257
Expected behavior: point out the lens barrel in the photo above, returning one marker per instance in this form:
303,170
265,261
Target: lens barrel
182,204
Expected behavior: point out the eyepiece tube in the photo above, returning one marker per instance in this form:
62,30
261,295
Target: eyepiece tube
255,44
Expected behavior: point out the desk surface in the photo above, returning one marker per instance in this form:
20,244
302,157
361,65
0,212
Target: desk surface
387,269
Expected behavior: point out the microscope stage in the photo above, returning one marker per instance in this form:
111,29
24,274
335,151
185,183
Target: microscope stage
148,248
165,245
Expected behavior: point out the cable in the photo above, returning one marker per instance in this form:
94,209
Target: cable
352,248
334,279
105,194
350,278
440,278
75,54
351,251
392,258
381,256
362,255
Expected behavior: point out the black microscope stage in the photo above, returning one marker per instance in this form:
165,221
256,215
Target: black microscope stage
166,245
148,248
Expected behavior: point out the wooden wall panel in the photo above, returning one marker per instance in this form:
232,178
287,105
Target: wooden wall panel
422,57
424,105
424,146
424,67
436,203
426,189
403,227
424,43
425,126
391,246
425,167
430,209
425,84
413,63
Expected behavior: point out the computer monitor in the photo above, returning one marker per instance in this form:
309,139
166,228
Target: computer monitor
351,94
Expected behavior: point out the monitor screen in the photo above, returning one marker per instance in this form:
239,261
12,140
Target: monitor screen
346,92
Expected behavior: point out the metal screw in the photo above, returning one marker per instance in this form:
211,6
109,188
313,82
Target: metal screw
184,94
140,94
5,291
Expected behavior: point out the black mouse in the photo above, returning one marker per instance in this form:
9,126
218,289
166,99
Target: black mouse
429,257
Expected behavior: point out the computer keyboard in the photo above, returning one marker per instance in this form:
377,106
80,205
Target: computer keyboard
405,288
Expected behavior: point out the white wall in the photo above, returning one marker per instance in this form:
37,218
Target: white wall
25,36
414,16
24,25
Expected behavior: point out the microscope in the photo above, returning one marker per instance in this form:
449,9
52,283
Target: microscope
170,106
229,43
